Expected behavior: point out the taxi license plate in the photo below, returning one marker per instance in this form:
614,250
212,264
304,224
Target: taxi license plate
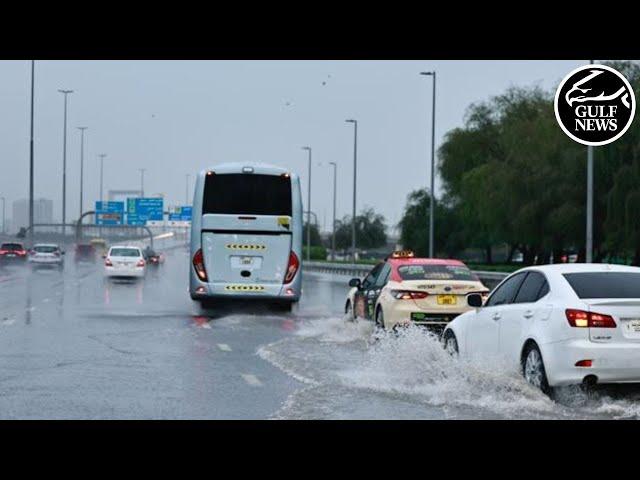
447,300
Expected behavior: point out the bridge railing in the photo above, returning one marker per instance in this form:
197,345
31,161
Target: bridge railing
489,279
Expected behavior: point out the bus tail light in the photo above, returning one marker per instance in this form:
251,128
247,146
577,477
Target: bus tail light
292,268
198,264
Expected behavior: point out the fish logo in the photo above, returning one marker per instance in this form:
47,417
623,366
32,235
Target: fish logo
595,105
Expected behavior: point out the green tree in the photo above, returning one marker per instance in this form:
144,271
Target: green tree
316,239
371,230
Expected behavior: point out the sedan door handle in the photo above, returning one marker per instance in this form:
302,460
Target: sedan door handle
528,314
496,316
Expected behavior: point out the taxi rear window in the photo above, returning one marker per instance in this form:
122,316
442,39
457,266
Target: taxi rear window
436,272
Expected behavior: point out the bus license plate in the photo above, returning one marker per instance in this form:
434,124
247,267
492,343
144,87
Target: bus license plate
447,300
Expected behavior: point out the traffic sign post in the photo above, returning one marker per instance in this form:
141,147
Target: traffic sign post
109,213
143,210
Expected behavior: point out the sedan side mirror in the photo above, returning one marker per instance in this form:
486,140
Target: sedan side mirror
354,282
474,300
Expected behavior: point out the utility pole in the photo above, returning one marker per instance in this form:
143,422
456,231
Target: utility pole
355,174
432,201
82,129
64,164
33,67
333,230
589,239
308,149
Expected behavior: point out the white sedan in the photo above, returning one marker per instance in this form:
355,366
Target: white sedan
125,262
559,325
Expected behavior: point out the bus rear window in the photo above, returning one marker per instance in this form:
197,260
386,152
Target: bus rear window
247,194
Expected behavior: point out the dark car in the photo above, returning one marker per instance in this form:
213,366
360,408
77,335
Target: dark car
152,257
12,252
85,252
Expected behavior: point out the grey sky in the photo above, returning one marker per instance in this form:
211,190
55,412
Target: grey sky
177,117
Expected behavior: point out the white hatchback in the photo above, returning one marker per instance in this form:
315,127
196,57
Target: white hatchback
125,262
46,254
559,324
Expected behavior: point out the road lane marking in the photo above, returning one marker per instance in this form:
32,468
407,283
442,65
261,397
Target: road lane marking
251,380
224,347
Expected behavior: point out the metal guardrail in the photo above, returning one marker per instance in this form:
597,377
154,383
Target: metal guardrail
490,279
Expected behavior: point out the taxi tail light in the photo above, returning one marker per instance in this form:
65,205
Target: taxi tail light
107,263
582,319
408,295
292,268
198,264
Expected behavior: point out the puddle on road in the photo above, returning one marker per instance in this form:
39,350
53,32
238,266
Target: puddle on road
348,372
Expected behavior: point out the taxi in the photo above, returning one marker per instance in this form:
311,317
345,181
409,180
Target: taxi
403,290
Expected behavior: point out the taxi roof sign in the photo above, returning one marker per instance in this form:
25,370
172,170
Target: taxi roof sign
403,254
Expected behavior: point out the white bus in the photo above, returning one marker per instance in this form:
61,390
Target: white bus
246,235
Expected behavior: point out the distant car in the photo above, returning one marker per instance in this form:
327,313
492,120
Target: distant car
46,255
405,290
152,257
560,324
85,252
125,262
100,245
12,252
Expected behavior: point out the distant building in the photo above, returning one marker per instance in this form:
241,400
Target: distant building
42,212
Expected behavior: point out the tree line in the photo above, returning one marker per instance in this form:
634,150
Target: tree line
511,176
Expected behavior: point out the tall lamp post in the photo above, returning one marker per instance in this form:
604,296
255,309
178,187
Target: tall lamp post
102,155
4,218
64,163
33,68
433,163
333,229
589,233
187,197
142,170
355,172
82,129
308,149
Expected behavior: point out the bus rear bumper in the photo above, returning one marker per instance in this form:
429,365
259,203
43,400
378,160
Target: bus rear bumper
267,292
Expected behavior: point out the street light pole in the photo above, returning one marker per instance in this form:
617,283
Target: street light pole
589,239
33,67
333,230
3,215
433,165
355,173
142,170
102,155
82,129
187,198
64,163
308,149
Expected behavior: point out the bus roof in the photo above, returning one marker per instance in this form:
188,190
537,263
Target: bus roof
237,167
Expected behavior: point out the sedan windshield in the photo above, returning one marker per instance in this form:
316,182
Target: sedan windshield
125,252
11,246
436,272
605,284
45,248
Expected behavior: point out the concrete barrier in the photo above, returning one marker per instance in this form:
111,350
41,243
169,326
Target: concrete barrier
489,279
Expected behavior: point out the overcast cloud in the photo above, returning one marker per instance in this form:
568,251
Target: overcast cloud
178,117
